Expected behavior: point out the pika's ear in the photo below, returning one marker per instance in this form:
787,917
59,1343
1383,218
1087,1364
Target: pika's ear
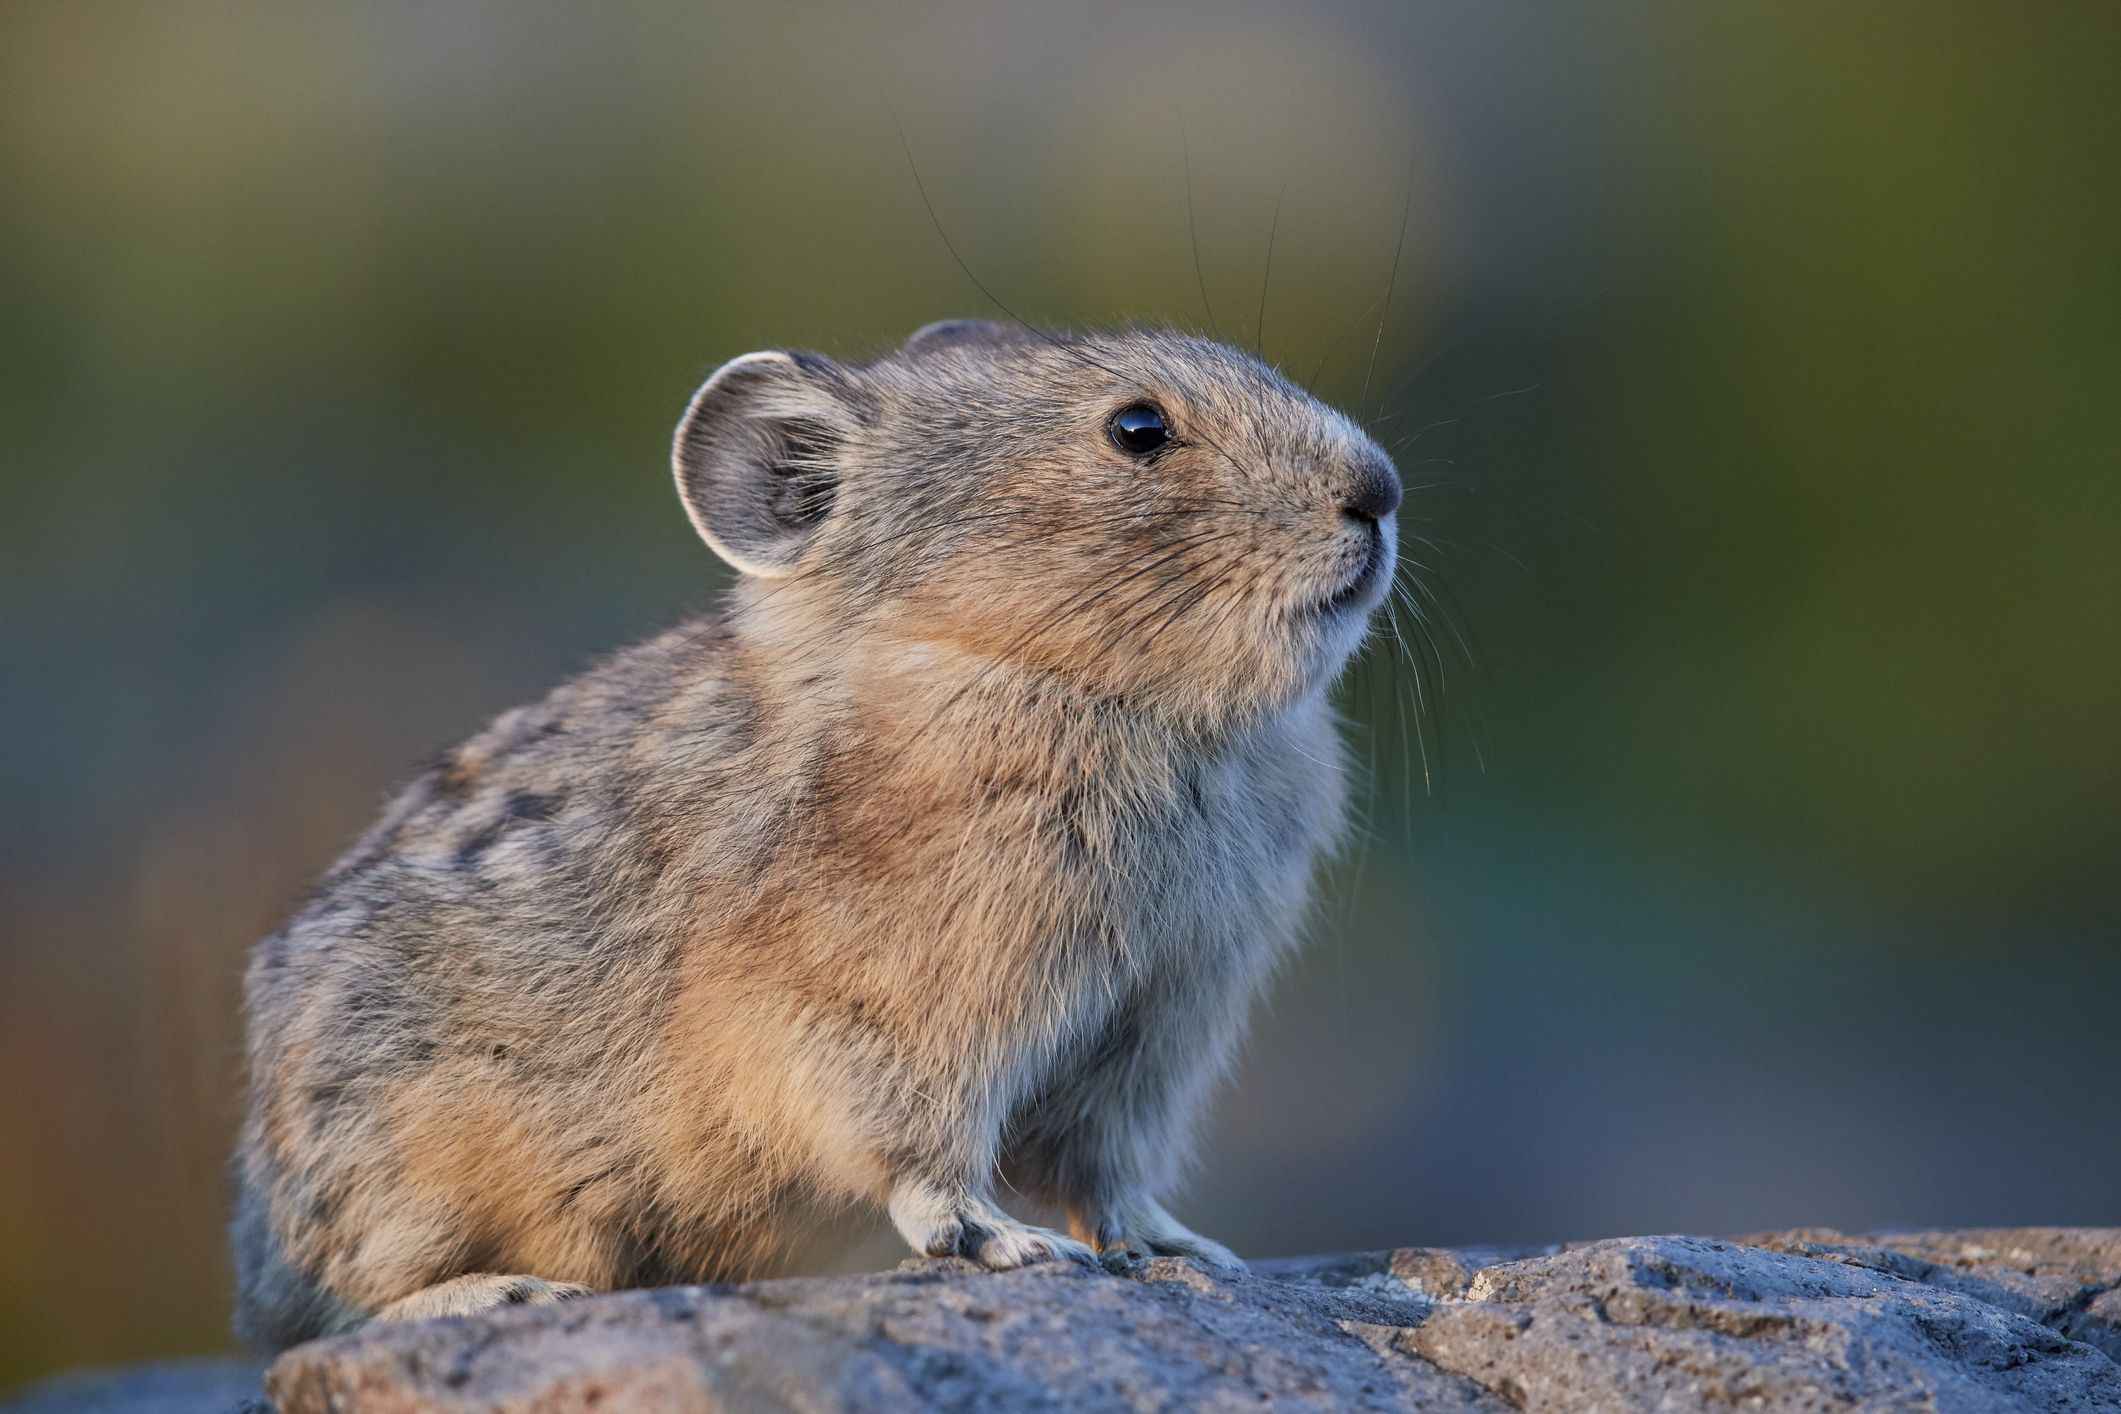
757,456
965,333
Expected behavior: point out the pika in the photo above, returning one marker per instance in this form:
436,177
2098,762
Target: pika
951,848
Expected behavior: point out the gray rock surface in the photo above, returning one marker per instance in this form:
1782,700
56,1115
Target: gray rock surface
1806,1320
2006,1320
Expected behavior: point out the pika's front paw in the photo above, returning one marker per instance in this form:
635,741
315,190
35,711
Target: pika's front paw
1137,1231
481,1291
938,1224
1200,1249
1004,1248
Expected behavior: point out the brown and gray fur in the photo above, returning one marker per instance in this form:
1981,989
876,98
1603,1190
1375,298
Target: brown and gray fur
955,845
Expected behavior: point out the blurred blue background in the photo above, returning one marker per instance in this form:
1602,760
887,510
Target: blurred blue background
1753,864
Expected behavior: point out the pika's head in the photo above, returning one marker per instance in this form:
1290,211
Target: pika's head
1153,517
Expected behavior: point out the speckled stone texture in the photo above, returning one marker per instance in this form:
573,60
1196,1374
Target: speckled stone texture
2025,1319
2007,1320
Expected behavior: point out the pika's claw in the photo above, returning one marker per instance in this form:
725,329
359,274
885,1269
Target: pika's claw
1123,1260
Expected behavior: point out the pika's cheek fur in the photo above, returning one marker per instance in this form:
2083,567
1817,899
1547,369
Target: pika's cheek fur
957,842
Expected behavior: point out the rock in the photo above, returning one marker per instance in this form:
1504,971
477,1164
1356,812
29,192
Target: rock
1999,1320
2005,1320
2061,1277
931,1335
1683,1323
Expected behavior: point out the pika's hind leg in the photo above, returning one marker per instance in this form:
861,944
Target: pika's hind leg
942,1222
481,1291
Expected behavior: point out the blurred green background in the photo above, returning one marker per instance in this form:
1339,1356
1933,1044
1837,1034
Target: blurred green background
1762,363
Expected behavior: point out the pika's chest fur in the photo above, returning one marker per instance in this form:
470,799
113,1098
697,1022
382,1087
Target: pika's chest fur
1048,831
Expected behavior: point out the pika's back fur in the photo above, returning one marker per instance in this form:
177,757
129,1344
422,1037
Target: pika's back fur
958,841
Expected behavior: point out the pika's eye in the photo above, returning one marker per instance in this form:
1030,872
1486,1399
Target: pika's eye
1141,429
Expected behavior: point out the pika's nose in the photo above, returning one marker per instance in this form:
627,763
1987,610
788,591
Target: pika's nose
1373,492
